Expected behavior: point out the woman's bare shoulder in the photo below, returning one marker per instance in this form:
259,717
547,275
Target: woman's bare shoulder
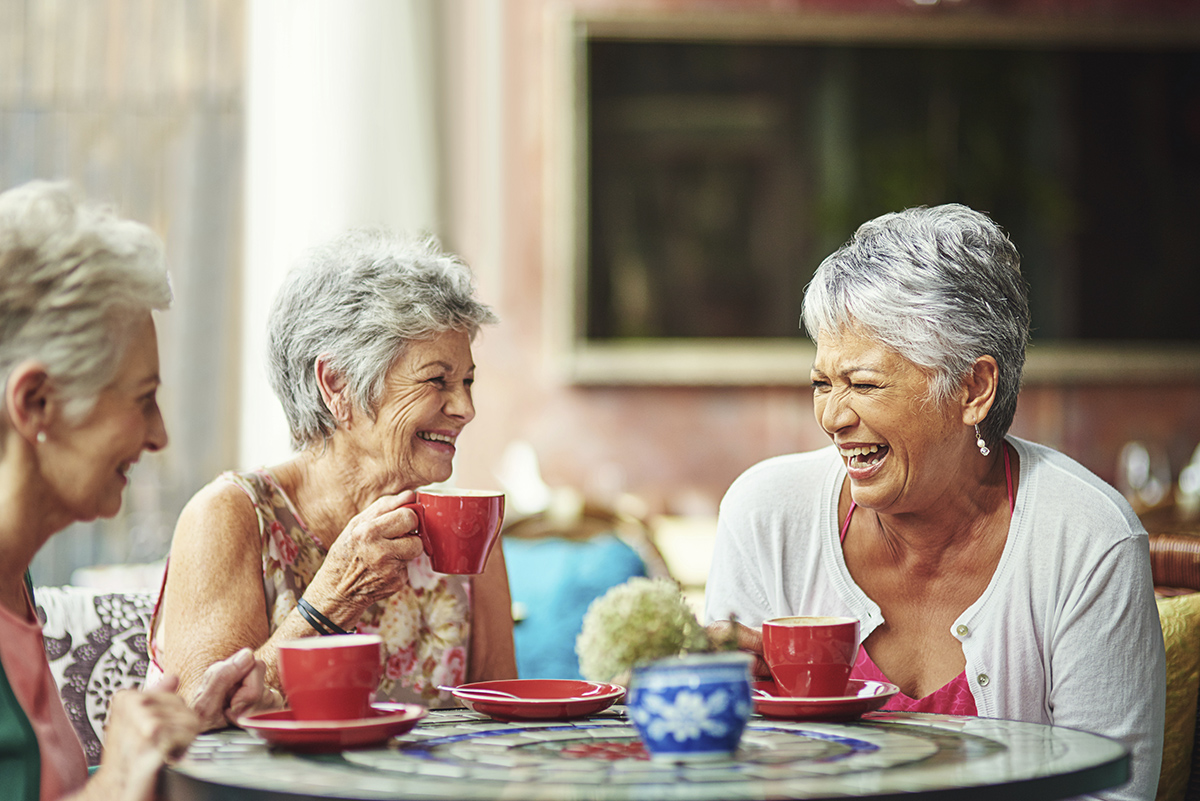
222,511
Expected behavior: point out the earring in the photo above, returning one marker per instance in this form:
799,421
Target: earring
41,436
983,448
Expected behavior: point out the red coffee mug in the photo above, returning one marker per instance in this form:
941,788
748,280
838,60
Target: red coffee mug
459,527
331,678
811,657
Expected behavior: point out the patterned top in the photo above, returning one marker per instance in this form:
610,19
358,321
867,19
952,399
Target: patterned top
426,626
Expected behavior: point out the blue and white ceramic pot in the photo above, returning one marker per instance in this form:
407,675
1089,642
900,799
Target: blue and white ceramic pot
691,708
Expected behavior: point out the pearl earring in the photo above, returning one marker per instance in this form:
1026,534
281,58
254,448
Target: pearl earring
983,448
41,436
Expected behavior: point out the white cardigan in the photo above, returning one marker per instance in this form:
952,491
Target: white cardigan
1066,632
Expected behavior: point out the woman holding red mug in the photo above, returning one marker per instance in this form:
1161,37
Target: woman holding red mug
370,355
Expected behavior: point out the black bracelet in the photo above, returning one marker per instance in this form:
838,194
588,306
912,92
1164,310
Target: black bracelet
303,607
317,620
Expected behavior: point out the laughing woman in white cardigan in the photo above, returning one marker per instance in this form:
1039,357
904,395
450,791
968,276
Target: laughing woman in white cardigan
991,576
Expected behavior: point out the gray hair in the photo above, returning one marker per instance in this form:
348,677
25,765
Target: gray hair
74,278
358,301
941,286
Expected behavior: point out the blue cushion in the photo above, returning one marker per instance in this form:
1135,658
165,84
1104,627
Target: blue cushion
555,580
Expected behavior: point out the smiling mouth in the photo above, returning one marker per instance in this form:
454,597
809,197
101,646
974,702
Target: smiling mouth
430,436
864,456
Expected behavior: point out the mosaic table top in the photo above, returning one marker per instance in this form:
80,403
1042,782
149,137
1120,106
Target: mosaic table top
464,755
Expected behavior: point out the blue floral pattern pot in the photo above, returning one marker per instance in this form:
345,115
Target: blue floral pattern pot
691,708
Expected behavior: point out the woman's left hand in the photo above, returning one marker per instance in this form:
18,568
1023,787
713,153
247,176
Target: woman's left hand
232,688
745,639
145,731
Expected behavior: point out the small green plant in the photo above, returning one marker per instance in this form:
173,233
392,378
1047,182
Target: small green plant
636,623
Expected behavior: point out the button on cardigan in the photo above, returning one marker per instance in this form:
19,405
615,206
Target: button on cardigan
1065,633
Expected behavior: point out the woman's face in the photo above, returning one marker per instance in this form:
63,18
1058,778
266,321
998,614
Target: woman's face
902,451
426,403
87,462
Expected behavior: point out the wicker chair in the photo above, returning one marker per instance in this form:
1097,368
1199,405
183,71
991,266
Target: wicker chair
1175,565
1174,549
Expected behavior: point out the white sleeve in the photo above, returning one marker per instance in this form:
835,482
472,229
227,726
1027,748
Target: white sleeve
1108,664
735,582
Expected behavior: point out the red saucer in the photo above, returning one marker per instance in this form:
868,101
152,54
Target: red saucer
861,697
281,728
539,699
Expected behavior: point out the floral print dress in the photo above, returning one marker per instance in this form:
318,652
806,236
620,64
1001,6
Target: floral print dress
426,627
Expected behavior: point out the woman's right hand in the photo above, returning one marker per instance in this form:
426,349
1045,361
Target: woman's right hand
369,560
145,731
231,688
721,632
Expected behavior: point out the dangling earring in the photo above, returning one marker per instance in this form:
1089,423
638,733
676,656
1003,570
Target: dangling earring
983,448
41,436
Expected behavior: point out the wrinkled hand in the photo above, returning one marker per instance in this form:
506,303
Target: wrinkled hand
745,638
369,560
231,688
145,731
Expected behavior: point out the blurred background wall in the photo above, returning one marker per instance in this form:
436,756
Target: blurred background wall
678,446
245,131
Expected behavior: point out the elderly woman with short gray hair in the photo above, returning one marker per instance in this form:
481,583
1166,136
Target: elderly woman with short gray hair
370,355
79,368
990,576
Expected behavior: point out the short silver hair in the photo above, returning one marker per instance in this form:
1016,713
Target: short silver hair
74,279
941,286
358,301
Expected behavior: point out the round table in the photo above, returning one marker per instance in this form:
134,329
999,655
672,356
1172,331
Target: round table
455,754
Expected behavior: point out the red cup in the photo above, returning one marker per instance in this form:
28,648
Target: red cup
811,657
331,678
459,527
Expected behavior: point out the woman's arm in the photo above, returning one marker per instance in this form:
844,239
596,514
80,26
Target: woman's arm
731,595
231,688
1107,663
492,653
214,603
734,590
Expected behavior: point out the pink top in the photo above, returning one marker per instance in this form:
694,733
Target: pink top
64,766
954,698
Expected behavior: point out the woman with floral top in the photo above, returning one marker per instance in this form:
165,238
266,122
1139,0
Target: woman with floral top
370,355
